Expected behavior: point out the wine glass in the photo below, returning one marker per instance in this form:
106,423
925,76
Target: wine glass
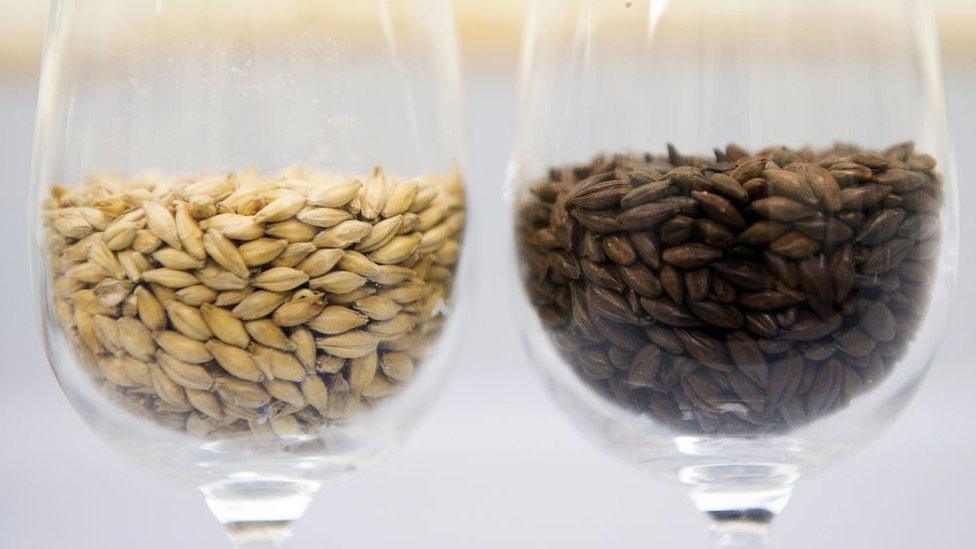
247,229
735,226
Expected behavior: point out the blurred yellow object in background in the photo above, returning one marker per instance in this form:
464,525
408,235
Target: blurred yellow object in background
487,28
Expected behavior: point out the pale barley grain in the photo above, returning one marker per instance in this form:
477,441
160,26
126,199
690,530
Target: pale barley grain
285,391
328,364
397,366
107,332
87,301
353,296
187,320
136,339
110,292
206,402
167,389
190,234
258,304
342,235
397,250
335,320
238,412
238,392
378,307
351,344
145,242
433,215
225,326
373,195
78,251
335,195
229,298
133,263
65,314
182,347
220,279
435,238
286,366
399,324
65,286
95,217
72,226
424,198
276,364
171,258
120,237
315,393
337,282
61,264
102,257
389,275
161,223
356,262
302,306
225,253
241,228
111,367
381,233
304,343
292,231
151,313
196,295
411,222
400,198
129,307
362,370
236,361
170,278
323,217
163,294
266,332
320,262
136,370
294,254
86,272
280,279
406,294
185,374
262,251
201,207
215,188
280,209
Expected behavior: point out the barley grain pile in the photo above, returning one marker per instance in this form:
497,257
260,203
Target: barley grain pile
236,304
739,293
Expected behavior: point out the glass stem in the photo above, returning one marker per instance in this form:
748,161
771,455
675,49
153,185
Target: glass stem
742,502
744,534
258,512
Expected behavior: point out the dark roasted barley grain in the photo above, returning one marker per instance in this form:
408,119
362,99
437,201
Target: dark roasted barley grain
752,293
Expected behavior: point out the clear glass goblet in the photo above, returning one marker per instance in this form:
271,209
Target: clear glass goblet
736,232
247,227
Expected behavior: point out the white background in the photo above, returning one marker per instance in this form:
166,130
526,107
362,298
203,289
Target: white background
495,464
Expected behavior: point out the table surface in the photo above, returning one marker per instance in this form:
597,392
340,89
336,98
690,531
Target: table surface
495,463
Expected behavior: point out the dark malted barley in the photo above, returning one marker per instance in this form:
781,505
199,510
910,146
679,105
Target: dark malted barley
752,293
